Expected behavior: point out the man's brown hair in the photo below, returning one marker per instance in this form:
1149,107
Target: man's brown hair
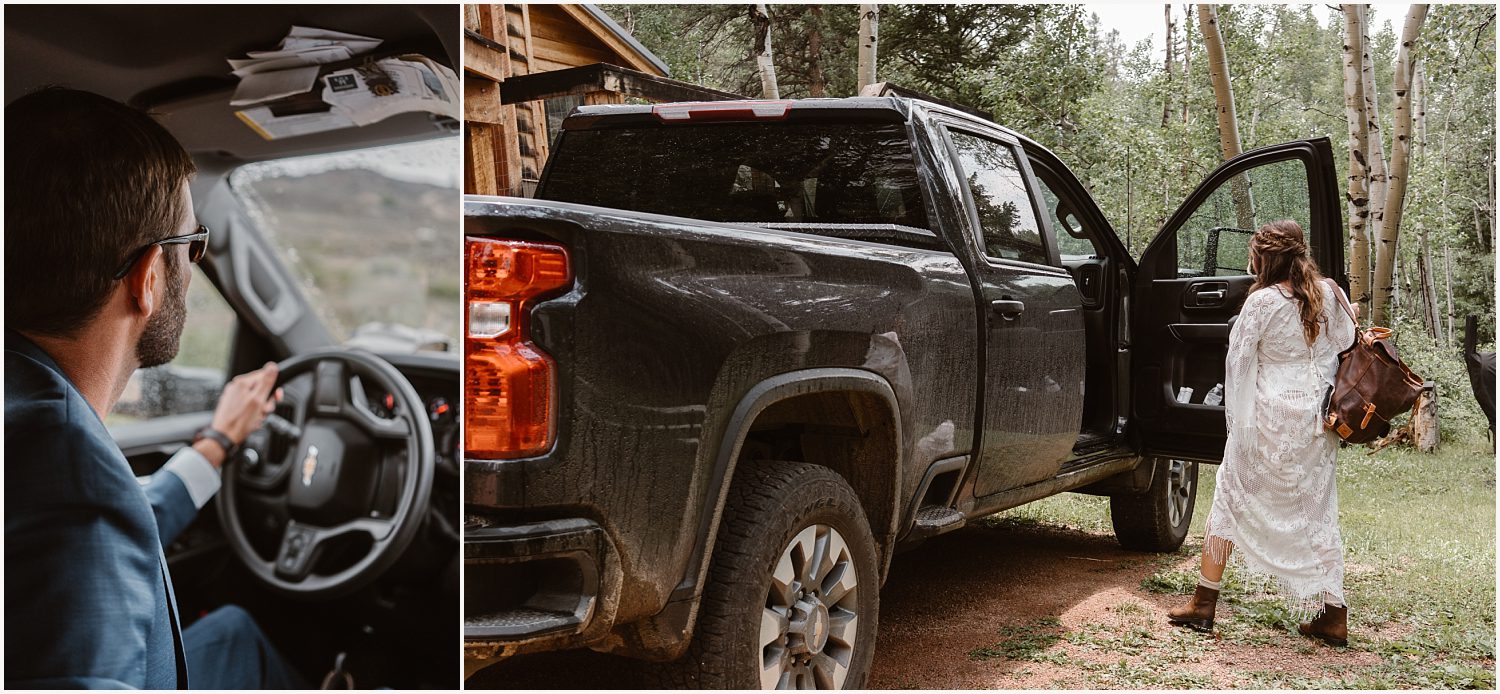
88,180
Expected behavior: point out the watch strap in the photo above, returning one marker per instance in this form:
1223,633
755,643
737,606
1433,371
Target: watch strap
216,436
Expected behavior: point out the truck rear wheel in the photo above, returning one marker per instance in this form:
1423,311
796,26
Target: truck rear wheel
1157,520
793,591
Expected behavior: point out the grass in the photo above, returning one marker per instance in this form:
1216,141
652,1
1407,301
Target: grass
1419,538
1027,642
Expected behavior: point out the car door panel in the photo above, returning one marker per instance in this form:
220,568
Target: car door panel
1192,282
1033,333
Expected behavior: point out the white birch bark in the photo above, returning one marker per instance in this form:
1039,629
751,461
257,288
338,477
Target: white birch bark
1375,155
1229,133
869,40
1385,250
1358,195
760,18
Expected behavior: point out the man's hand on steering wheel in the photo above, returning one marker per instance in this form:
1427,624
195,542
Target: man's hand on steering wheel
242,408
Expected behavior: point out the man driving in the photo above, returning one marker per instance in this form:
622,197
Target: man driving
99,237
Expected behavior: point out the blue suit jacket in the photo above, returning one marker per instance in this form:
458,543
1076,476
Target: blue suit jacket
88,601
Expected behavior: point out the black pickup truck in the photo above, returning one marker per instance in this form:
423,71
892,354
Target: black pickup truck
735,355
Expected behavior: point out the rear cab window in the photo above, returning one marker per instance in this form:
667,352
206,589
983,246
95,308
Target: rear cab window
850,180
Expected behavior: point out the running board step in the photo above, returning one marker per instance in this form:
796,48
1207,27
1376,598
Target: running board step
935,520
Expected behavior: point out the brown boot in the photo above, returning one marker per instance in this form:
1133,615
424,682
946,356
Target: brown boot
1199,613
1331,627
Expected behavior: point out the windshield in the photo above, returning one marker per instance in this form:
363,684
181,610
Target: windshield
369,234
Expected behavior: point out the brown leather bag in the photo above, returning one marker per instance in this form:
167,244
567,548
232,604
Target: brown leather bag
1371,387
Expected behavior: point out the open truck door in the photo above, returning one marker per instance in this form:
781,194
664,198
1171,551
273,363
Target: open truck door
1192,281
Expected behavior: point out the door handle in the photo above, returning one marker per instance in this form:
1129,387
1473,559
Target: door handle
1209,297
1008,309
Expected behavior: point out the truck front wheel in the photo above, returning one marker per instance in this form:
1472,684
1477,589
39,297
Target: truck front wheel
1158,519
792,597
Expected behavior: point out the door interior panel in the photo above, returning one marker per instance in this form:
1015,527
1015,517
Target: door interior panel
1190,286
1089,276
1188,346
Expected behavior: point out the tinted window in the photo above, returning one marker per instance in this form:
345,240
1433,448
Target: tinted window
801,173
1005,213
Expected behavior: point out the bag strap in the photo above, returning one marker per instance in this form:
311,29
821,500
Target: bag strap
1343,301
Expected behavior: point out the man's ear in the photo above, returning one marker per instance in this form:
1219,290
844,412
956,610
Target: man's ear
145,283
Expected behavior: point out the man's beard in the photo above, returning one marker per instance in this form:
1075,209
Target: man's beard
158,343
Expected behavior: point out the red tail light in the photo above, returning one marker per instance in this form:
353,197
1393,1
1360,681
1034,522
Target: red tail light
509,383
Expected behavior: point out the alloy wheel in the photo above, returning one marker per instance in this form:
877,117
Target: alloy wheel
1180,488
809,624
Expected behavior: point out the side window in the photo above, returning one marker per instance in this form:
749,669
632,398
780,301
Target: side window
1000,196
191,382
1074,242
1215,240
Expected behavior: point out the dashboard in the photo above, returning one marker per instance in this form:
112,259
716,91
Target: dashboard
435,377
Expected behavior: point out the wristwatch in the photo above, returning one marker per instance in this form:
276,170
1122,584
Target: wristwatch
216,436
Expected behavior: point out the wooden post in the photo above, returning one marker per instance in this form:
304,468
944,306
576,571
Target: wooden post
1424,419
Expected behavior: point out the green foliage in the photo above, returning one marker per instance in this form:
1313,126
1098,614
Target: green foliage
1053,73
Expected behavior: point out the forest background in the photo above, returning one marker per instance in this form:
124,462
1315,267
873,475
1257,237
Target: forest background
1139,126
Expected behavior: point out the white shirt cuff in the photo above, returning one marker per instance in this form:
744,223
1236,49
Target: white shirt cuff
197,474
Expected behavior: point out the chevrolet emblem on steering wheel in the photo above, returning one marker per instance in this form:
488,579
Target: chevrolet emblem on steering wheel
309,465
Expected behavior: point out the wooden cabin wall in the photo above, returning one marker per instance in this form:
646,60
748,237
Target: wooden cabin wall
508,140
506,146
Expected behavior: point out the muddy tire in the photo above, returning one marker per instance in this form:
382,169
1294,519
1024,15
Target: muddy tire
1157,520
792,595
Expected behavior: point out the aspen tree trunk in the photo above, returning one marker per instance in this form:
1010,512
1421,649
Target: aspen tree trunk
869,39
817,85
1359,171
760,18
1430,318
1448,272
1385,251
1375,155
1443,219
1419,110
1187,78
1187,62
1229,133
1166,100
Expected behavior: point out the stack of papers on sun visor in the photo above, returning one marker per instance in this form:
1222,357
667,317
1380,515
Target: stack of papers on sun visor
377,90
292,68
366,93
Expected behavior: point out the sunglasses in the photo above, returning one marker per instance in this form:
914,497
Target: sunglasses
197,248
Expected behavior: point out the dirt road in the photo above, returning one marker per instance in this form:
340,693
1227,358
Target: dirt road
1025,605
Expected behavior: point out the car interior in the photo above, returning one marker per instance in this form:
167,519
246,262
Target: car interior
363,566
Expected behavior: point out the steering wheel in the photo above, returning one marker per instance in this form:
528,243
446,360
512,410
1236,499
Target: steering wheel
351,486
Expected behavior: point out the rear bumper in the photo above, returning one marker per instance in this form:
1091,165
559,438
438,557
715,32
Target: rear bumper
538,585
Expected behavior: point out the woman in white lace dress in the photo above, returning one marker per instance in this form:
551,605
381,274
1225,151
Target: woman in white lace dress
1275,500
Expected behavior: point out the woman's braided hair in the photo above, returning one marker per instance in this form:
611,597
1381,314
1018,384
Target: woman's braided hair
1279,253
